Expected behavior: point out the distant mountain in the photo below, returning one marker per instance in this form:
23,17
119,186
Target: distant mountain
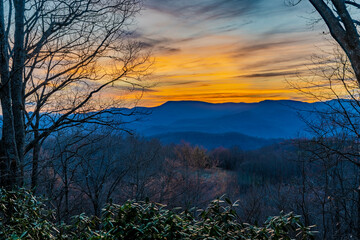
266,119
211,140
248,125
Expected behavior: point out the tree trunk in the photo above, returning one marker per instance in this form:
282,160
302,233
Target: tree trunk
9,155
342,28
35,157
66,189
17,88
354,57
35,167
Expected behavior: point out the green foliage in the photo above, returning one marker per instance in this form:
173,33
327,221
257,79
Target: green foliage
24,217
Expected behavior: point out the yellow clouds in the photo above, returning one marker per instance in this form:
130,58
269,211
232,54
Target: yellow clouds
221,51
229,68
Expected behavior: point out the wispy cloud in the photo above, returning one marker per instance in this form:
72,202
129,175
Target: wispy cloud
208,9
177,83
268,74
263,46
224,50
136,89
219,96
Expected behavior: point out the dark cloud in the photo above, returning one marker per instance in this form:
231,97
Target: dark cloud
316,86
205,9
169,50
146,45
158,44
177,83
281,30
136,89
148,42
275,64
263,46
228,9
268,74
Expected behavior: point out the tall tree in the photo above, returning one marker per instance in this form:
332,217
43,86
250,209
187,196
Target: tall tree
340,18
337,129
56,57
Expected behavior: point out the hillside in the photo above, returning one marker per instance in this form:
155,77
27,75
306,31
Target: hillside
211,140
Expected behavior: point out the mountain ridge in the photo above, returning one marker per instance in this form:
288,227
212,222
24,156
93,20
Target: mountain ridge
267,119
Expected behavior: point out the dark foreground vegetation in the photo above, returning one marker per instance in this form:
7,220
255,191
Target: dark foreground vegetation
22,216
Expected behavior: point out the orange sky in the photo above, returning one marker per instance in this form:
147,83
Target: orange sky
222,52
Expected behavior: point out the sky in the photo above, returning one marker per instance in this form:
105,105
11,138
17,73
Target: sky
227,50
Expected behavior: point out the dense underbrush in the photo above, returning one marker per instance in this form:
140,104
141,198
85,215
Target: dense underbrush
23,216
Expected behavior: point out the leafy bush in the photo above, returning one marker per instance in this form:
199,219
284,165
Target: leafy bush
24,217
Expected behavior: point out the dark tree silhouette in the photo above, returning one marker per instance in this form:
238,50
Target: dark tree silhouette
340,18
56,58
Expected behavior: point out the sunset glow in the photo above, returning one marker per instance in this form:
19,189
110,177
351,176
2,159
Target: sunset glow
206,53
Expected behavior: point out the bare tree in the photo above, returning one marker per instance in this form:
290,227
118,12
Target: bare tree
101,171
56,57
338,130
144,159
340,16
334,143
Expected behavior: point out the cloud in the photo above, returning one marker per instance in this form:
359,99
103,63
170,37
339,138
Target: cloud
278,64
177,83
169,50
268,74
219,95
263,46
136,89
218,50
228,9
206,9
159,44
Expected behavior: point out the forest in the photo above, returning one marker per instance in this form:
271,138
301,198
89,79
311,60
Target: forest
80,176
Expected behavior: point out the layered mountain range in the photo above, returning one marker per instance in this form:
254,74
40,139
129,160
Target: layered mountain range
248,125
